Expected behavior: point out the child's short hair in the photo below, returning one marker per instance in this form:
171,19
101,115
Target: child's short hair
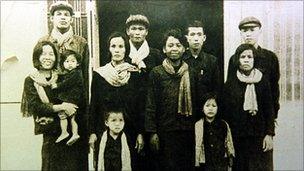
211,95
67,53
112,110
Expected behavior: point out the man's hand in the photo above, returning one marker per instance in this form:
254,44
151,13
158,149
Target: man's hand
139,143
267,143
154,142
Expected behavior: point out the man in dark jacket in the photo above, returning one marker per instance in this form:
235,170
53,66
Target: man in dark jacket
205,65
170,100
266,61
63,38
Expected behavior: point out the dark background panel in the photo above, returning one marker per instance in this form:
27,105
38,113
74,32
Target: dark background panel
163,15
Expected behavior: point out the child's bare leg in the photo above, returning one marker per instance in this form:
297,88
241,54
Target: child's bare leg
75,135
64,133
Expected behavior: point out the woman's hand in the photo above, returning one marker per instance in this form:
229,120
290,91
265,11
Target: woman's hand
154,142
267,143
139,143
92,140
69,108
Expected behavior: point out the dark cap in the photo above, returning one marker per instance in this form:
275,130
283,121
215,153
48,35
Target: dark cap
61,5
250,22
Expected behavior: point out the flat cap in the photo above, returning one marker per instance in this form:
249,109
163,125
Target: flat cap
61,5
250,22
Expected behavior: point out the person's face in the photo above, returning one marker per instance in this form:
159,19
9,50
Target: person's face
70,63
246,60
210,108
62,19
47,58
115,122
250,35
137,33
117,49
195,37
173,48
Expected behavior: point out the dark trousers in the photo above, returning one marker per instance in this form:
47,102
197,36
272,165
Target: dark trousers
249,155
177,151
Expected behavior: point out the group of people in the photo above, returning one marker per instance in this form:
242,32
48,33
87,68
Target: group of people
149,109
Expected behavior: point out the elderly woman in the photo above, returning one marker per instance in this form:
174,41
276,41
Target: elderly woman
41,102
118,91
249,112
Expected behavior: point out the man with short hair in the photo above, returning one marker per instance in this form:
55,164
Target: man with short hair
266,61
145,59
205,65
63,38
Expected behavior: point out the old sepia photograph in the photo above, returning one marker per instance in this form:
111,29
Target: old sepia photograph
113,85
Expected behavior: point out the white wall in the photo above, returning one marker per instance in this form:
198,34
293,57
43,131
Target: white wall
282,32
22,24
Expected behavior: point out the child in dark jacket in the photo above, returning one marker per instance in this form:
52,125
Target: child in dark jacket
213,141
69,88
114,154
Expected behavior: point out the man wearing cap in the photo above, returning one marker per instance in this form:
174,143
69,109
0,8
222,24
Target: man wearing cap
76,156
205,65
63,37
266,61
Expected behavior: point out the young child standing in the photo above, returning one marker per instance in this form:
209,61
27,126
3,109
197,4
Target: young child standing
114,154
69,88
213,141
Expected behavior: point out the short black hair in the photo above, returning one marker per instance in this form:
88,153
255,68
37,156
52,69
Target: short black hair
38,49
194,23
110,110
124,37
67,53
176,33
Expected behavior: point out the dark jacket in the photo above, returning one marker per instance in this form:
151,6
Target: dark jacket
241,122
206,69
214,142
162,102
152,60
104,95
79,45
267,62
70,87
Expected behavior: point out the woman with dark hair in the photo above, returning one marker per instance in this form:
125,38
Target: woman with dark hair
249,112
41,102
117,91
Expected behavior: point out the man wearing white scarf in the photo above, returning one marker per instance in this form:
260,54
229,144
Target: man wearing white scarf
63,37
145,59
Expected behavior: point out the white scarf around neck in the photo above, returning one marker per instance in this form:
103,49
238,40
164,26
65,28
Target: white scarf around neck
199,143
125,152
250,99
62,38
121,72
137,56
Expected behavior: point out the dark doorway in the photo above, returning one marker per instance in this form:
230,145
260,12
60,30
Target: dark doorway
163,15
